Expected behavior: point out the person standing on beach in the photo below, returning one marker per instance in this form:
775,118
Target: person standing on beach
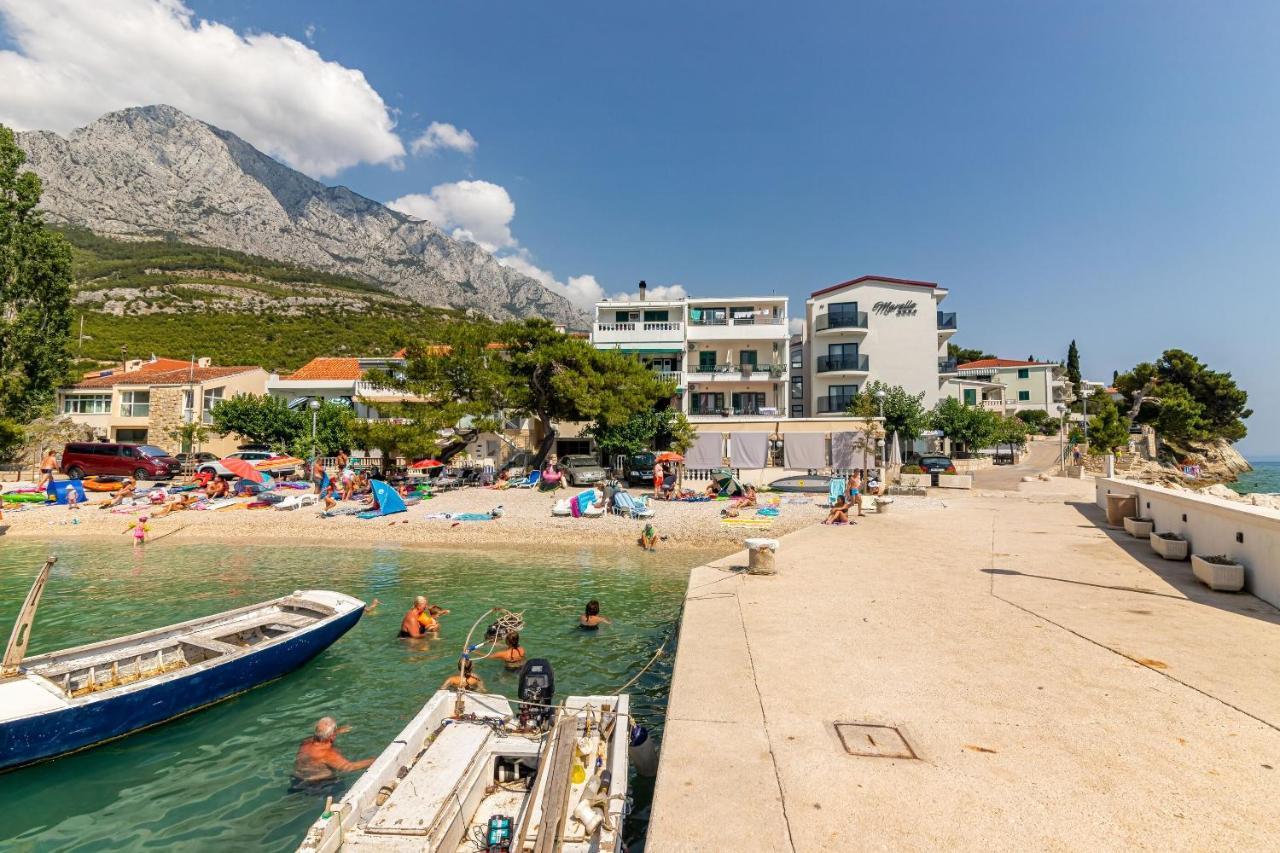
317,474
48,465
658,471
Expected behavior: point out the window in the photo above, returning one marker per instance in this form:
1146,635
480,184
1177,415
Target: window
1024,373
748,402
797,360
86,404
747,358
971,396
188,408
706,403
1024,396
849,351
797,410
135,404
656,316
843,309
707,361
212,397
132,436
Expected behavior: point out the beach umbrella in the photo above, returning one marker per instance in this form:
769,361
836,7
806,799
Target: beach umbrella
244,470
668,456
422,464
895,452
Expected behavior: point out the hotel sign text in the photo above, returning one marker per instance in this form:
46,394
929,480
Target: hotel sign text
894,309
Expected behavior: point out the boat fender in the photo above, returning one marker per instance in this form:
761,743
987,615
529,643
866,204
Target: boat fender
643,752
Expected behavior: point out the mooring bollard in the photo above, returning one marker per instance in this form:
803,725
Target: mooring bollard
760,554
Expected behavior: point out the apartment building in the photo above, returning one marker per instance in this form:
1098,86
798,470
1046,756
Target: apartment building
727,356
146,401
1009,386
874,328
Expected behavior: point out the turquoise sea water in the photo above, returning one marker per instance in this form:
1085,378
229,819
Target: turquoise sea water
1265,477
218,779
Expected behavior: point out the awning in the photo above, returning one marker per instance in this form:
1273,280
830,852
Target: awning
647,348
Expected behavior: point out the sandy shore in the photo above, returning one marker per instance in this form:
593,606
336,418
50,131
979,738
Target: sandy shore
526,522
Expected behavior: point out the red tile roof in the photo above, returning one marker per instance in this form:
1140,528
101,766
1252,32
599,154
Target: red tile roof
861,279
329,368
1000,362
166,376
156,366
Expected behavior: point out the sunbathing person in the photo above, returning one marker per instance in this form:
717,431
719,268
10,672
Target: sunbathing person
712,490
318,760
513,655
748,498
217,488
125,493
466,681
177,505
591,618
839,513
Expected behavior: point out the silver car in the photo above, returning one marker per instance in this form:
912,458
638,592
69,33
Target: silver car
581,470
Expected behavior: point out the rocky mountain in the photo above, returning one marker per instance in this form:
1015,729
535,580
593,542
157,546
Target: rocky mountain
155,171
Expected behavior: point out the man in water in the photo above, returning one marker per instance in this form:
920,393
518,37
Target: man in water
411,627
318,760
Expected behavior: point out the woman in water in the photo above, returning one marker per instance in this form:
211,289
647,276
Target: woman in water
513,655
592,619
465,681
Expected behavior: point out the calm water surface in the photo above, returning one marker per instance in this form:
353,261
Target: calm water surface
218,779
1265,477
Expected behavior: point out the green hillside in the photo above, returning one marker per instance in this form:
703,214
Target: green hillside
177,299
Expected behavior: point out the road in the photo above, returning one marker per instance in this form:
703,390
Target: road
1040,456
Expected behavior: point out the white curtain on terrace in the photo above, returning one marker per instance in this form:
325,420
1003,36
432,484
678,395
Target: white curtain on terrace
804,450
748,449
707,451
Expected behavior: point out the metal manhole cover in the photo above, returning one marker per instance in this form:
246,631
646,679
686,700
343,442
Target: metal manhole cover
874,741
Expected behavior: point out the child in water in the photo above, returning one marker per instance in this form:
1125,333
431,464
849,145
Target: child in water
591,619
140,528
648,537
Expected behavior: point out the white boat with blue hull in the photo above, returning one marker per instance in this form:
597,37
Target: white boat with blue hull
60,702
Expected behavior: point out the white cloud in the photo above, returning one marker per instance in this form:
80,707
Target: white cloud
75,61
477,211
440,135
795,325
665,291
582,290
310,33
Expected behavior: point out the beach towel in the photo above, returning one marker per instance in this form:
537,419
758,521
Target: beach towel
835,489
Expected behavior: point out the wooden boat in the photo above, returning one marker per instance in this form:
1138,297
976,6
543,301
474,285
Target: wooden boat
57,703
481,776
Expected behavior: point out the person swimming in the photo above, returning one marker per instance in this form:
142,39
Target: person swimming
513,655
591,619
318,760
466,681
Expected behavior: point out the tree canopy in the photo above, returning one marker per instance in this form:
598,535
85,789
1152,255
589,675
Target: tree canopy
904,413
35,297
1073,368
961,354
1108,429
662,429
970,427
269,420
1184,399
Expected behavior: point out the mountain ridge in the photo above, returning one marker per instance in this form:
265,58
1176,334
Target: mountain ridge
148,172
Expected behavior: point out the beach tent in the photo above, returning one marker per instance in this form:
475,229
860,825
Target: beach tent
58,489
727,484
389,501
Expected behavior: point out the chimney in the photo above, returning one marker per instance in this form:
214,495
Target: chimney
204,362
642,290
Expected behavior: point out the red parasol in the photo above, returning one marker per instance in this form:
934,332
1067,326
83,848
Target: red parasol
669,456
426,463
244,470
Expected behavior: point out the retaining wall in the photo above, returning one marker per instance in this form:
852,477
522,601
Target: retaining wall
1247,534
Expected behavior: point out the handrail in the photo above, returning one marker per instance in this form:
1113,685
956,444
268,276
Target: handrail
828,363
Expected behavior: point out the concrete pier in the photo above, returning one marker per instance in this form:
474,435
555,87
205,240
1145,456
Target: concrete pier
1015,677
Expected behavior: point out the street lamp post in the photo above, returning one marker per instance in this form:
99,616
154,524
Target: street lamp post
884,461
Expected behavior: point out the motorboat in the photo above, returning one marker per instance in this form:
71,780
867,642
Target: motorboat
472,773
60,702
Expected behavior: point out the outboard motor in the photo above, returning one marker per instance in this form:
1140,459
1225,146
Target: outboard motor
538,687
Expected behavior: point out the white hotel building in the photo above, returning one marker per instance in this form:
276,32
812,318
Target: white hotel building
727,356
874,328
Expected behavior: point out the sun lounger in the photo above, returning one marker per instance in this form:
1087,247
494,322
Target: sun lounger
296,502
528,482
629,506
561,508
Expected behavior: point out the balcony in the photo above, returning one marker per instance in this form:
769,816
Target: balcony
846,321
730,411
946,322
668,375
843,364
637,332
946,366
753,328
744,372
834,405
997,405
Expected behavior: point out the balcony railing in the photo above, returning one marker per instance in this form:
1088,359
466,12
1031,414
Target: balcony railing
841,320
946,321
946,365
642,327
731,411
833,405
856,363
729,368
668,375
739,321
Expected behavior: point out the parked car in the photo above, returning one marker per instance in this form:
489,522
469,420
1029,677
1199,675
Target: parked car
935,465
640,469
140,461
581,470
194,459
253,457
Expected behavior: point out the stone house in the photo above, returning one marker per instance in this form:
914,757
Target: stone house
148,400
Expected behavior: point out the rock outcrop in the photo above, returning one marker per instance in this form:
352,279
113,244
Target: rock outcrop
151,172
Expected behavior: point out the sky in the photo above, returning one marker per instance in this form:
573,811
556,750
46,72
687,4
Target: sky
1098,171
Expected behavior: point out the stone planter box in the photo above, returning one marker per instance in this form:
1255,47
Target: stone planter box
914,481
955,481
1138,528
1170,549
1227,577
